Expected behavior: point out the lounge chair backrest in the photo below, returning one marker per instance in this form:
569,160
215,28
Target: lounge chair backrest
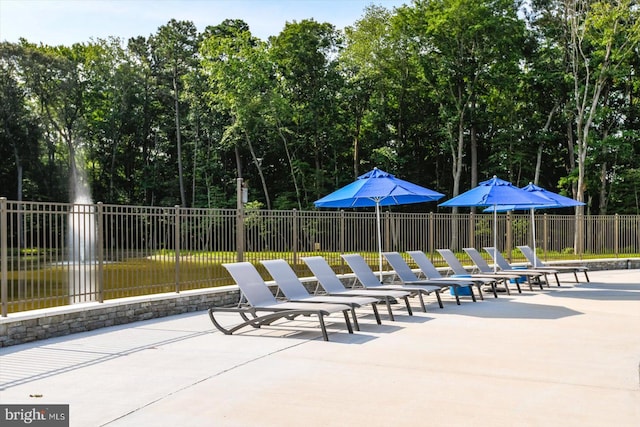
502,262
286,279
362,271
453,261
251,284
477,259
531,256
425,264
399,265
324,273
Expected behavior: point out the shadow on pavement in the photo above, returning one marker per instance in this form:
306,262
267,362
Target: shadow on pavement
600,291
516,310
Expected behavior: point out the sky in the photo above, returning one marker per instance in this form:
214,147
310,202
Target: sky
65,22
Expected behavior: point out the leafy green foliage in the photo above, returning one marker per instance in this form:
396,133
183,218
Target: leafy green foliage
440,92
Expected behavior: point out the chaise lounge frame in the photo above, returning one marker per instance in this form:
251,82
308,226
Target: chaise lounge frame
259,299
332,285
408,277
432,273
368,280
293,289
538,264
490,279
504,265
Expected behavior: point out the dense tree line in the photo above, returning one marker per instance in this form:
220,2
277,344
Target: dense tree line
444,93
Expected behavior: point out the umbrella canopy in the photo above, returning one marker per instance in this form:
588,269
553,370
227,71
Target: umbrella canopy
496,192
374,189
556,201
377,188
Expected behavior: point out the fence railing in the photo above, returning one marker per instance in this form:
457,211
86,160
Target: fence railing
55,254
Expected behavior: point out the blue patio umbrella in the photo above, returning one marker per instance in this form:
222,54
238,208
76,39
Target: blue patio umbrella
555,201
496,193
374,189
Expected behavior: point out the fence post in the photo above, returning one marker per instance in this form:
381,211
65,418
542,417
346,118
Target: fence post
239,222
3,254
177,245
342,221
616,233
580,235
545,236
294,236
387,231
509,243
432,242
472,230
100,254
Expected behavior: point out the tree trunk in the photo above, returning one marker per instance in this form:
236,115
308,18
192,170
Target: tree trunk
571,154
356,149
589,79
545,129
290,161
195,163
602,208
183,196
236,150
473,145
259,167
19,171
458,152
473,139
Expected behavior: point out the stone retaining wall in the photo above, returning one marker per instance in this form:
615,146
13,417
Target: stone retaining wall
28,326
34,325
600,264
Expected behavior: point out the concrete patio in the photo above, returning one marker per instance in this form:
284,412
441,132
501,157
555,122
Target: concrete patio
566,356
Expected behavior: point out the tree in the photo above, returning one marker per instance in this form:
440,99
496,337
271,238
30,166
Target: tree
174,48
367,46
117,120
19,135
439,92
53,77
147,134
468,53
602,36
239,73
465,48
305,54
544,91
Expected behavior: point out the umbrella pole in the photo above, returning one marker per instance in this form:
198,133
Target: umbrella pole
379,239
533,237
495,236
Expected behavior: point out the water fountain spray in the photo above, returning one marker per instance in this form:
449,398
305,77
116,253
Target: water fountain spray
81,242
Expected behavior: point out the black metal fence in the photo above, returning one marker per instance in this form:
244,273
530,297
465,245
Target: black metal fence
54,254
